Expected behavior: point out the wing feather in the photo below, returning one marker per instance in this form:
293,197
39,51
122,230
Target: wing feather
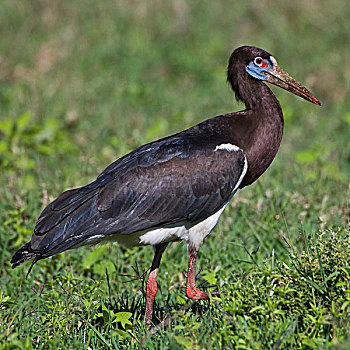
177,179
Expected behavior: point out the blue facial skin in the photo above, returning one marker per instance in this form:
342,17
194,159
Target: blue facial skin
258,72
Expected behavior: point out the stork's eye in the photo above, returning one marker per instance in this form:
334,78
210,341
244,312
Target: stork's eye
258,67
259,61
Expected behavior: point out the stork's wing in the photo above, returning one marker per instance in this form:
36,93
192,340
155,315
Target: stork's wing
180,189
168,181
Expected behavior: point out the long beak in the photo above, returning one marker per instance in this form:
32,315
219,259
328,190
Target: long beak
282,79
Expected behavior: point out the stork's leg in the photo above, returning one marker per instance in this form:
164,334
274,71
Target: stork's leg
152,282
191,290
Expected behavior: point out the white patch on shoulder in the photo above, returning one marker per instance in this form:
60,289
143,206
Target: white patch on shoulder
227,147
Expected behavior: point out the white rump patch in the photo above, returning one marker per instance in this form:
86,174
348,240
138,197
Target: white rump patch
227,147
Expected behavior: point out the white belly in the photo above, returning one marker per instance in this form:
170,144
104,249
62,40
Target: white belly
192,234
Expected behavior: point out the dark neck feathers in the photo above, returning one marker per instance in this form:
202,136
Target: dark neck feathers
257,130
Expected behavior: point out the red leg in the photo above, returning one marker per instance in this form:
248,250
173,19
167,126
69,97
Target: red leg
191,290
152,282
150,295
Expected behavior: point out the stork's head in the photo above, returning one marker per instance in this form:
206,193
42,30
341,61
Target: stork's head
261,65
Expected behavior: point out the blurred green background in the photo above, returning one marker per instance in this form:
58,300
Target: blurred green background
84,82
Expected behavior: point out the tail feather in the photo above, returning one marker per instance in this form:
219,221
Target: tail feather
60,224
22,255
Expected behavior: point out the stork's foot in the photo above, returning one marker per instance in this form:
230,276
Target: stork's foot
192,291
196,294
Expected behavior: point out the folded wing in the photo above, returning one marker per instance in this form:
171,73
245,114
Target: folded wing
177,179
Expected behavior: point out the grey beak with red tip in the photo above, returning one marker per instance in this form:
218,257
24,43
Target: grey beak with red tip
282,79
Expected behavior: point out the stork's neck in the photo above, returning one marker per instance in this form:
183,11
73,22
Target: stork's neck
255,94
263,124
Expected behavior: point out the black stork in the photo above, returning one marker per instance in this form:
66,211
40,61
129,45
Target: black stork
175,188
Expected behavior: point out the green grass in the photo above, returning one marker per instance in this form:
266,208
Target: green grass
84,82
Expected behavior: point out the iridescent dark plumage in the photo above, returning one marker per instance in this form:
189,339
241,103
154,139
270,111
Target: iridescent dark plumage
177,187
